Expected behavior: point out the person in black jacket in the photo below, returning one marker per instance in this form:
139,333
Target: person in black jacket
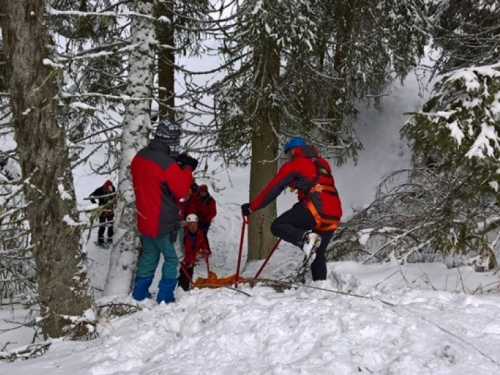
105,195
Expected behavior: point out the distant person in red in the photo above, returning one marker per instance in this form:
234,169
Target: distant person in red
310,223
105,196
195,246
207,208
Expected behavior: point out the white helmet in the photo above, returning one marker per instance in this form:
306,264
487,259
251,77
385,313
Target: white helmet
191,218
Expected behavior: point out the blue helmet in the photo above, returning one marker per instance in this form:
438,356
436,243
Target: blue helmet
294,142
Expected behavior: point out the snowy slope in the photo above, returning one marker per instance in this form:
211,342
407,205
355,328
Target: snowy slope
380,318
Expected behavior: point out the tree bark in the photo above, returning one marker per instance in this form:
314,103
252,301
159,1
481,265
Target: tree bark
264,160
45,165
166,60
136,124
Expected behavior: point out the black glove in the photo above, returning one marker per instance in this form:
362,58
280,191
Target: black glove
245,209
173,236
186,160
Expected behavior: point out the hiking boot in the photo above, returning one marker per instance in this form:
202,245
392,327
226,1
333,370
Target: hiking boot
310,243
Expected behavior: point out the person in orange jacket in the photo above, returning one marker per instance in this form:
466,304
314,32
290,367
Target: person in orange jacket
195,247
207,208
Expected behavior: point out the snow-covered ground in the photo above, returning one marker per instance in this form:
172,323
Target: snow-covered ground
381,318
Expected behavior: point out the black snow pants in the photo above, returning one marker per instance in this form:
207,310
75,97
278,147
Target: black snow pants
291,226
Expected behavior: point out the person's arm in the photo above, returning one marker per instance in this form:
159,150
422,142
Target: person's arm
95,195
283,178
204,246
178,180
212,210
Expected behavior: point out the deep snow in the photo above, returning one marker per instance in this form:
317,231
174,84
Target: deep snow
396,319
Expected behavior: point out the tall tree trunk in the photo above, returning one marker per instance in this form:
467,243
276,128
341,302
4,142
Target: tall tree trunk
264,161
45,165
166,60
136,124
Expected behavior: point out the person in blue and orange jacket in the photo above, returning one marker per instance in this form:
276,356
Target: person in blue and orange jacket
310,223
195,246
159,182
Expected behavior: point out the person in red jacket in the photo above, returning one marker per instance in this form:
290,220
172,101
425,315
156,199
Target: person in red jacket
195,246
310,223
159,182
189,204
207,208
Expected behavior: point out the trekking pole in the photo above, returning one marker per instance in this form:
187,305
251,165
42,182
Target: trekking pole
243,225
268,257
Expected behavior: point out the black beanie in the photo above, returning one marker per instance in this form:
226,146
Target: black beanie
169,133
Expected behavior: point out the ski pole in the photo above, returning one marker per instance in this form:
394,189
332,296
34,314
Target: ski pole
243,225
268,257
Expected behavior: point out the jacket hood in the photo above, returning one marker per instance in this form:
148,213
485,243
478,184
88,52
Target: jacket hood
159,146
307,151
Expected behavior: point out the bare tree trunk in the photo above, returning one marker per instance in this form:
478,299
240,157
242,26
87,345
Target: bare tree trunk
136,124
264,162
262,169
45,165
166,60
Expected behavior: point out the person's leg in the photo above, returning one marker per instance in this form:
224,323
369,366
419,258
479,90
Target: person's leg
205,227
100,231
146,267
318,267
167,284
292,224
185,277
110,228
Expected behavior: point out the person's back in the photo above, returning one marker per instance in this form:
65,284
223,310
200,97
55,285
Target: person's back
157,195
314,172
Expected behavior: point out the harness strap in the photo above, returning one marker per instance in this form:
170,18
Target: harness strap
322,224
324,188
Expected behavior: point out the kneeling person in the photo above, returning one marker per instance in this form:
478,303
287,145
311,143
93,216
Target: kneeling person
195,246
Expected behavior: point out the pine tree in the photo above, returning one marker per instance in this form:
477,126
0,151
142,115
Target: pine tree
45,166
301,67
135,131
447,205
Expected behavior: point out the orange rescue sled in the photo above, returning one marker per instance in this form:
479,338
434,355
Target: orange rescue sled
213,281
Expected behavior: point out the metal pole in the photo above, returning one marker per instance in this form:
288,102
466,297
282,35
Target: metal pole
245,221
268,257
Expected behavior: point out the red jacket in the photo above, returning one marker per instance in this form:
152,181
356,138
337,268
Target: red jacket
193,248
300,173
207,208
159,183
190,205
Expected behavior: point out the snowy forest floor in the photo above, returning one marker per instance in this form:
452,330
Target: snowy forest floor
395,319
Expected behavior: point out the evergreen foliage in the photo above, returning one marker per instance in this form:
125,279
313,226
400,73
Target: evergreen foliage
448,204
331,54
